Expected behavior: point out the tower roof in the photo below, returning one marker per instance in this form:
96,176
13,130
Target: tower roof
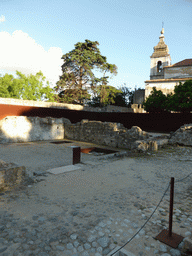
161,49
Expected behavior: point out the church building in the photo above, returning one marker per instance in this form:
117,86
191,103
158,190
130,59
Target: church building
163,75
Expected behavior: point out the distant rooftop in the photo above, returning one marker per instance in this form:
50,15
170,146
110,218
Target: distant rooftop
186,62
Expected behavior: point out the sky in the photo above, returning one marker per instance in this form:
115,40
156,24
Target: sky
35,34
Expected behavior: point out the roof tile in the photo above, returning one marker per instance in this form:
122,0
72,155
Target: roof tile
186,62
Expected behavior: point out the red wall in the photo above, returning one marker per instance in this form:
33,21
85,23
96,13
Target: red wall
160,122
12,110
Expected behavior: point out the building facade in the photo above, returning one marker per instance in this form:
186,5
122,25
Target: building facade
163,75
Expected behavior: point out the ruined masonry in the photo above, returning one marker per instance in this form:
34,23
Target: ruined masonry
25,129
183,136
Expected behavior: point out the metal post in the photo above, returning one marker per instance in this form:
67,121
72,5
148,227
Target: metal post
76,155
171,207
166,236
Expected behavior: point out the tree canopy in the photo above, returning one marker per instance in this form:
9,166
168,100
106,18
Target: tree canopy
78,72
125,98
156,102
104,95
109,95
179,101
25,87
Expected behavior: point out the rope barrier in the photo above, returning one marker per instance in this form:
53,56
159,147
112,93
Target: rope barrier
149,217
144,223
183,178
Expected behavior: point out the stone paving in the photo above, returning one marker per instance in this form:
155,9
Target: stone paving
93,210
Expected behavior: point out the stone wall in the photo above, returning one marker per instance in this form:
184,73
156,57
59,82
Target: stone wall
138,108
178,72
139,96
23,129
105,133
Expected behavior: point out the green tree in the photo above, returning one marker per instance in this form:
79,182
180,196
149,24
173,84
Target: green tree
71,95
26,87
125,98
181,100
78,74
156,102
5,82
104,95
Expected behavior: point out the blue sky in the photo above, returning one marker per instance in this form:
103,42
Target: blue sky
35,34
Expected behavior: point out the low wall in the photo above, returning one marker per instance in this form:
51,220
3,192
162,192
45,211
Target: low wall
105,133
23,129
43,104
33,103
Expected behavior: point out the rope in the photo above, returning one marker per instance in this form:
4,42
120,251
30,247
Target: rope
144,223
183,178
150,216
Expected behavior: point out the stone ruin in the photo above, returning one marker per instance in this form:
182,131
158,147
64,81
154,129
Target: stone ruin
183,136
110,134
25,129
11,176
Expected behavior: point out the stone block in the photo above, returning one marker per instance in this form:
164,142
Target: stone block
11,175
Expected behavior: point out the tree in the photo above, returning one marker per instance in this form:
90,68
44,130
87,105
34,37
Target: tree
5,82
156,102
78,75
181,100
71,96
105,95
25,87
125,98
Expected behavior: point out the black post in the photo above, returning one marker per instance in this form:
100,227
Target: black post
171,207
76,155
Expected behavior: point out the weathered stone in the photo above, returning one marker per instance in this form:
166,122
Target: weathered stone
183,136
12,175
140,146
23,129
153,146
105,133
187,246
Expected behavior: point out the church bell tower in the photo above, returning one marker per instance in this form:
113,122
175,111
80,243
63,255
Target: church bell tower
159,59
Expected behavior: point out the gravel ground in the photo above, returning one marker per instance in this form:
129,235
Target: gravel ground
137,181
42,155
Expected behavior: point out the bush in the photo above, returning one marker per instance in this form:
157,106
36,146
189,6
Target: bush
156,102
179,101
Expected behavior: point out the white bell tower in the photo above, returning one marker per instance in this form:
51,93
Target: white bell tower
159,59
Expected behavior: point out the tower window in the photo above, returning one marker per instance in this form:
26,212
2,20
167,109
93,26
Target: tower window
159,66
